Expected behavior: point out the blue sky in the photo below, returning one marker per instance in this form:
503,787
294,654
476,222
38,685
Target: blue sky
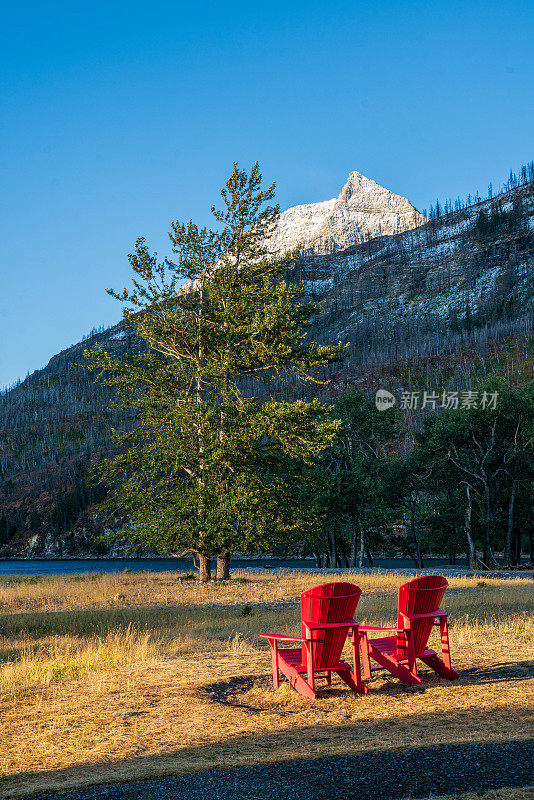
119,117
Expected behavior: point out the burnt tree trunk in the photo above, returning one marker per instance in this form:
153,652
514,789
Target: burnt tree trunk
418,556
355,531
472,557
510,525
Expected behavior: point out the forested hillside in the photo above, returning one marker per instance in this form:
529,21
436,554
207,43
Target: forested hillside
439,307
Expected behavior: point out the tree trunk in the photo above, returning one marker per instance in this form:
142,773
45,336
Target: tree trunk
204,571
354,538
516,546
204,560
223,566
362,548
510,525
333,546
472,557
369,556
489,556
343,556
325,546
418,556
452,552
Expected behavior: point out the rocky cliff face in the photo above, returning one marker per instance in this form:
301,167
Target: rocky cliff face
363,210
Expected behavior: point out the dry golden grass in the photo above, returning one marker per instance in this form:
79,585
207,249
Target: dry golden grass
69,592
122,692
55,658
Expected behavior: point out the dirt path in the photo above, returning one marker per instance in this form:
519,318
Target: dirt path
386,775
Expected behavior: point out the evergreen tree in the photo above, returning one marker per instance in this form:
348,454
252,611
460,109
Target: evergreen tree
208,466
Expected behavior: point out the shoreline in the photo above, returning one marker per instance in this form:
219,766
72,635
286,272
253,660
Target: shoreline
47,567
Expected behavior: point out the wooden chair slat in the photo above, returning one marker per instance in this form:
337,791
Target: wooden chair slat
291,656
331,602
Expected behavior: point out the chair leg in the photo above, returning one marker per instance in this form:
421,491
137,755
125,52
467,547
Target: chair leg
309,666
297,681
445,649
443,666
393,666
357,672
352,681
410,652
366,652
328,678
274,662
440,668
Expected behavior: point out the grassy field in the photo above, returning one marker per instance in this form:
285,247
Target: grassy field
115,677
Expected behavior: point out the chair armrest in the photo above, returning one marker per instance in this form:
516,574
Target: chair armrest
366,628
430,615
319,626
281,638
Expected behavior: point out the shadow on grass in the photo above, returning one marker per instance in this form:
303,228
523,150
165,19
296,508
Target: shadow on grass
290,765
494,673
228,692
498,673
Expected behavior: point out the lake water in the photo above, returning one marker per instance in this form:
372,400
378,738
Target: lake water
77,566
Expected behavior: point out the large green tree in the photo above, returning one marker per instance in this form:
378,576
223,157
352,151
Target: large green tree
214,456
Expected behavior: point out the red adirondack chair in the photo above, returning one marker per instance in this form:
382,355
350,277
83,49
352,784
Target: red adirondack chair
326,618
418,611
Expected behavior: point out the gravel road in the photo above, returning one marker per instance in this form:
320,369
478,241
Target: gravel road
416,773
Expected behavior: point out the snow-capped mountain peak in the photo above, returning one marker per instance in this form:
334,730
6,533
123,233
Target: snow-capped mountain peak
363,210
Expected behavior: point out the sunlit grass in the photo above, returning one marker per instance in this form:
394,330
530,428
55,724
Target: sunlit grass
104,689
127,589
56,658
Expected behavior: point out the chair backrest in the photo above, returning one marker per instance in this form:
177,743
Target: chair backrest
331,602
420,596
